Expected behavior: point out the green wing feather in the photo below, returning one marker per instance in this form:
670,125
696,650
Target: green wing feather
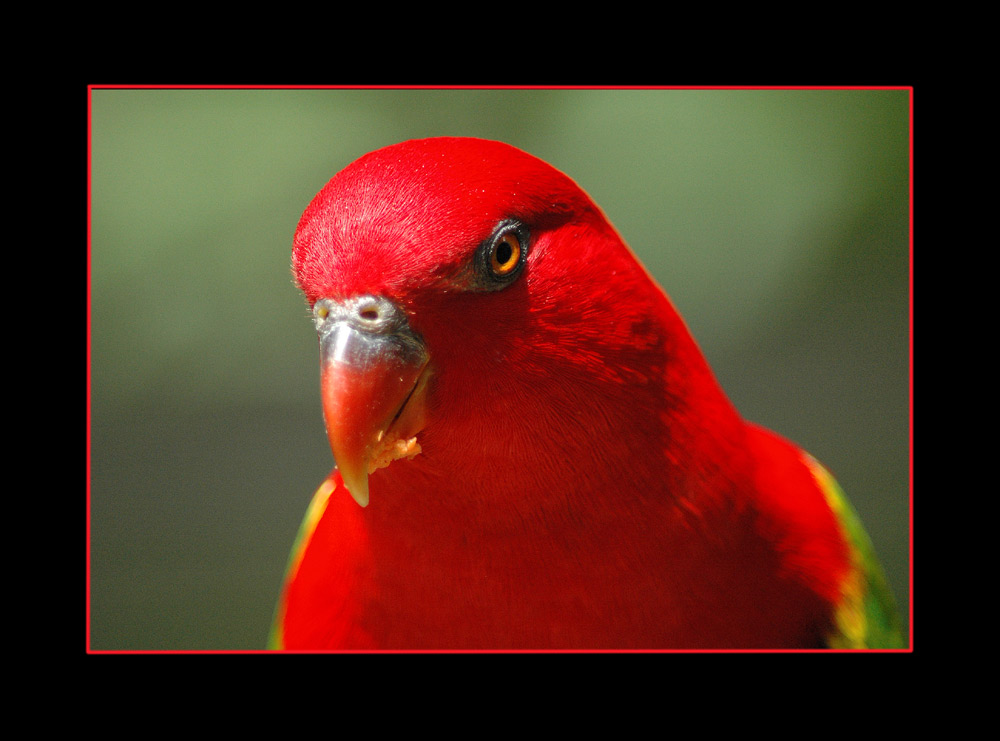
867,616
316,509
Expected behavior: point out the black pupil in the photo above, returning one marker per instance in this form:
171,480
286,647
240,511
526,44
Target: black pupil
503,253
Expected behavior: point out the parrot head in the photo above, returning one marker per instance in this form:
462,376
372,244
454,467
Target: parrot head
480,320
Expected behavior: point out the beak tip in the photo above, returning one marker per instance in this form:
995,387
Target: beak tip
357,486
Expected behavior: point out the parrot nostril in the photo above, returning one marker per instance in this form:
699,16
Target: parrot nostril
372,310
320,313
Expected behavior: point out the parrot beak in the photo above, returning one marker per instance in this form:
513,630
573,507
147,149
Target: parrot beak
373,378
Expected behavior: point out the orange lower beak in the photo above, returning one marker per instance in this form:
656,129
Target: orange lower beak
373,378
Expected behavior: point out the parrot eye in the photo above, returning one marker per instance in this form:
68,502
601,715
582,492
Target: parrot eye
501,257
506,255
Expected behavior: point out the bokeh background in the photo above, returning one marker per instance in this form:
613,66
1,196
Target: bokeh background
777,220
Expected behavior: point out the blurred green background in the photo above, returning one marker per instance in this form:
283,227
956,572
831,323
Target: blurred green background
776,220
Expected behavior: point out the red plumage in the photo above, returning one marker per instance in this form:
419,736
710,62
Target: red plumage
582,481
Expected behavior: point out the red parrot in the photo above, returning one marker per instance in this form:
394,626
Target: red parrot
531,451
